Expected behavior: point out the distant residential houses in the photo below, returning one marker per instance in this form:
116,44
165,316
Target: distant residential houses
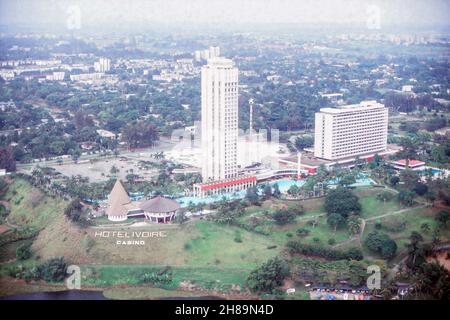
54,70
7,106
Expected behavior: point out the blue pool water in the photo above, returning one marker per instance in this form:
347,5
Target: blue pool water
283,185
433,171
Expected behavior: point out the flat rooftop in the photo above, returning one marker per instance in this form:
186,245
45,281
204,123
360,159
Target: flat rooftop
220,62
362,106
308,158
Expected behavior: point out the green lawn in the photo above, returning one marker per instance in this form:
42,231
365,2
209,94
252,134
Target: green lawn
216,244
209,278
145,293
324,232
413,219
280,234
371,206
205,253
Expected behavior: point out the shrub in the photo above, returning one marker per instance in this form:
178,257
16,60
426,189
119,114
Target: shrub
52,270
237,236
157,278
23,252
420,188
382,244
395,225
283,216
303,231
331,241
328,253
3,212
269,276
354,254
74,210
378,224
442,218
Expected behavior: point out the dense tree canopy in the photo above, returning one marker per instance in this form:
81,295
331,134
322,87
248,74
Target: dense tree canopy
268,277
342,201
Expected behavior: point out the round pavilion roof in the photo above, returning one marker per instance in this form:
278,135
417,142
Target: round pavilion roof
160,205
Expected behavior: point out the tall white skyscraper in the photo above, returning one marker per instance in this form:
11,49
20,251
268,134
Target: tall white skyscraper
219,119
214,52
351,131
103,65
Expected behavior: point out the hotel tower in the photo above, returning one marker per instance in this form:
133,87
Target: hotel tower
219,119
351,131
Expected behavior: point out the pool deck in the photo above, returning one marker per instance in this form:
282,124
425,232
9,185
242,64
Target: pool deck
283,185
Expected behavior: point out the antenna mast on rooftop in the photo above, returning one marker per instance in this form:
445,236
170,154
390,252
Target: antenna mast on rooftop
250,103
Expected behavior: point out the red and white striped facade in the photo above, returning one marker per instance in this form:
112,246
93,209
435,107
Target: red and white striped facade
218,187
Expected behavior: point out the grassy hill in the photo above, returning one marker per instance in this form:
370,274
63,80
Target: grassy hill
31,206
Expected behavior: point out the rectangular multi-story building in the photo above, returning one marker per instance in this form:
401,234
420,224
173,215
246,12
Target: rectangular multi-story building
350,131
103,65
219,119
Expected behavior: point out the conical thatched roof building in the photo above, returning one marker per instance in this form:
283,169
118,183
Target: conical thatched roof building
117,200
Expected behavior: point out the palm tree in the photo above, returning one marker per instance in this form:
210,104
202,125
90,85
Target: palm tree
158,155
335,220
354,224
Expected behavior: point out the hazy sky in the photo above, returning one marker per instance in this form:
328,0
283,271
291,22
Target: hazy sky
116,12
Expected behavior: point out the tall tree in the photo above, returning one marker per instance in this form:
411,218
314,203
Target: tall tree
7,159
342,201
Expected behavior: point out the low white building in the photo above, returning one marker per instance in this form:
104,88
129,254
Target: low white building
350,131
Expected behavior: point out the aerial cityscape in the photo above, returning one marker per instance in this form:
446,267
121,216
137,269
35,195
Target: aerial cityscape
192,150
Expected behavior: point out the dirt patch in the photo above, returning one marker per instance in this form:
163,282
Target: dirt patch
35,198
3,228
441,258
61,238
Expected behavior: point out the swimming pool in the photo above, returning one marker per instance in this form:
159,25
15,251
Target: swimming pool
433,171
283,185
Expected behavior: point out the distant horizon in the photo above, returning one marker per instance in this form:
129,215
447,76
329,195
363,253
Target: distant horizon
219,15
207,29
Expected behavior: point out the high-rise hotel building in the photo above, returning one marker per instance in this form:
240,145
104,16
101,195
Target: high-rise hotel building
350,131
219,119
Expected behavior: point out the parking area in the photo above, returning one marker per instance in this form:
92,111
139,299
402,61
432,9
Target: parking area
100,170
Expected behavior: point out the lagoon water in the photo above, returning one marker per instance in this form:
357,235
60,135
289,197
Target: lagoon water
58,295
85,295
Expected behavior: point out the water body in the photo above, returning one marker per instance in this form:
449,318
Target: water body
85,295
193,298
58,295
